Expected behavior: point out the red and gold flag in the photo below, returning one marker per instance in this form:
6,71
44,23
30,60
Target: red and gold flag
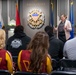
17,16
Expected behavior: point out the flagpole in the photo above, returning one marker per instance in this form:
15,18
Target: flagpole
49,12
72,18
68,9
17,3
1,15
0,9
52,16
8,11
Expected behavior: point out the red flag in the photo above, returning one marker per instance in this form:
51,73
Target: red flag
17,16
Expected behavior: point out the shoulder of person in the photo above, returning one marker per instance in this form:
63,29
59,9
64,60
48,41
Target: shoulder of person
27,37
48,56
10,38
9,53
26,51
67,21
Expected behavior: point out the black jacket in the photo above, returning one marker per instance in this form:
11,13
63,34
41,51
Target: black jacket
17,42
56,48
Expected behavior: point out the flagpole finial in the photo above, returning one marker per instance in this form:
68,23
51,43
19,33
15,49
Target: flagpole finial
72,3
52,5
17,5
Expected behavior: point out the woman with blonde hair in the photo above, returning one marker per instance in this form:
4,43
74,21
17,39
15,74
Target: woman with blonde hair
63,28
36,59
5,56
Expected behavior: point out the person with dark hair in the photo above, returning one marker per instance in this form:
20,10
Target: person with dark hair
36,58
19,29
64,28
56,45
18,41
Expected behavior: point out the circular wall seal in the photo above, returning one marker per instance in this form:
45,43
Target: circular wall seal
36,19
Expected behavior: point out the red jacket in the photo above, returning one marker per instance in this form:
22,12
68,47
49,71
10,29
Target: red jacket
25,61
3,62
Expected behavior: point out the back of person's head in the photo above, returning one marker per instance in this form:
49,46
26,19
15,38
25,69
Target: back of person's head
3,27
2,38
39,46
19,29
49,30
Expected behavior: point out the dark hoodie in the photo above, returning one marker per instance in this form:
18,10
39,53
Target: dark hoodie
55,45
55,48
17,42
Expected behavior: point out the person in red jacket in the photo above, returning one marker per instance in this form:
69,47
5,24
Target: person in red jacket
36,58
6,62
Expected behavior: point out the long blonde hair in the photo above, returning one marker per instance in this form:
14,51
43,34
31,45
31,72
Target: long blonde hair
2,38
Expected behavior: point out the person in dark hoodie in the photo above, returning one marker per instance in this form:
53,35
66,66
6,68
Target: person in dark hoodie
18,41
56,45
